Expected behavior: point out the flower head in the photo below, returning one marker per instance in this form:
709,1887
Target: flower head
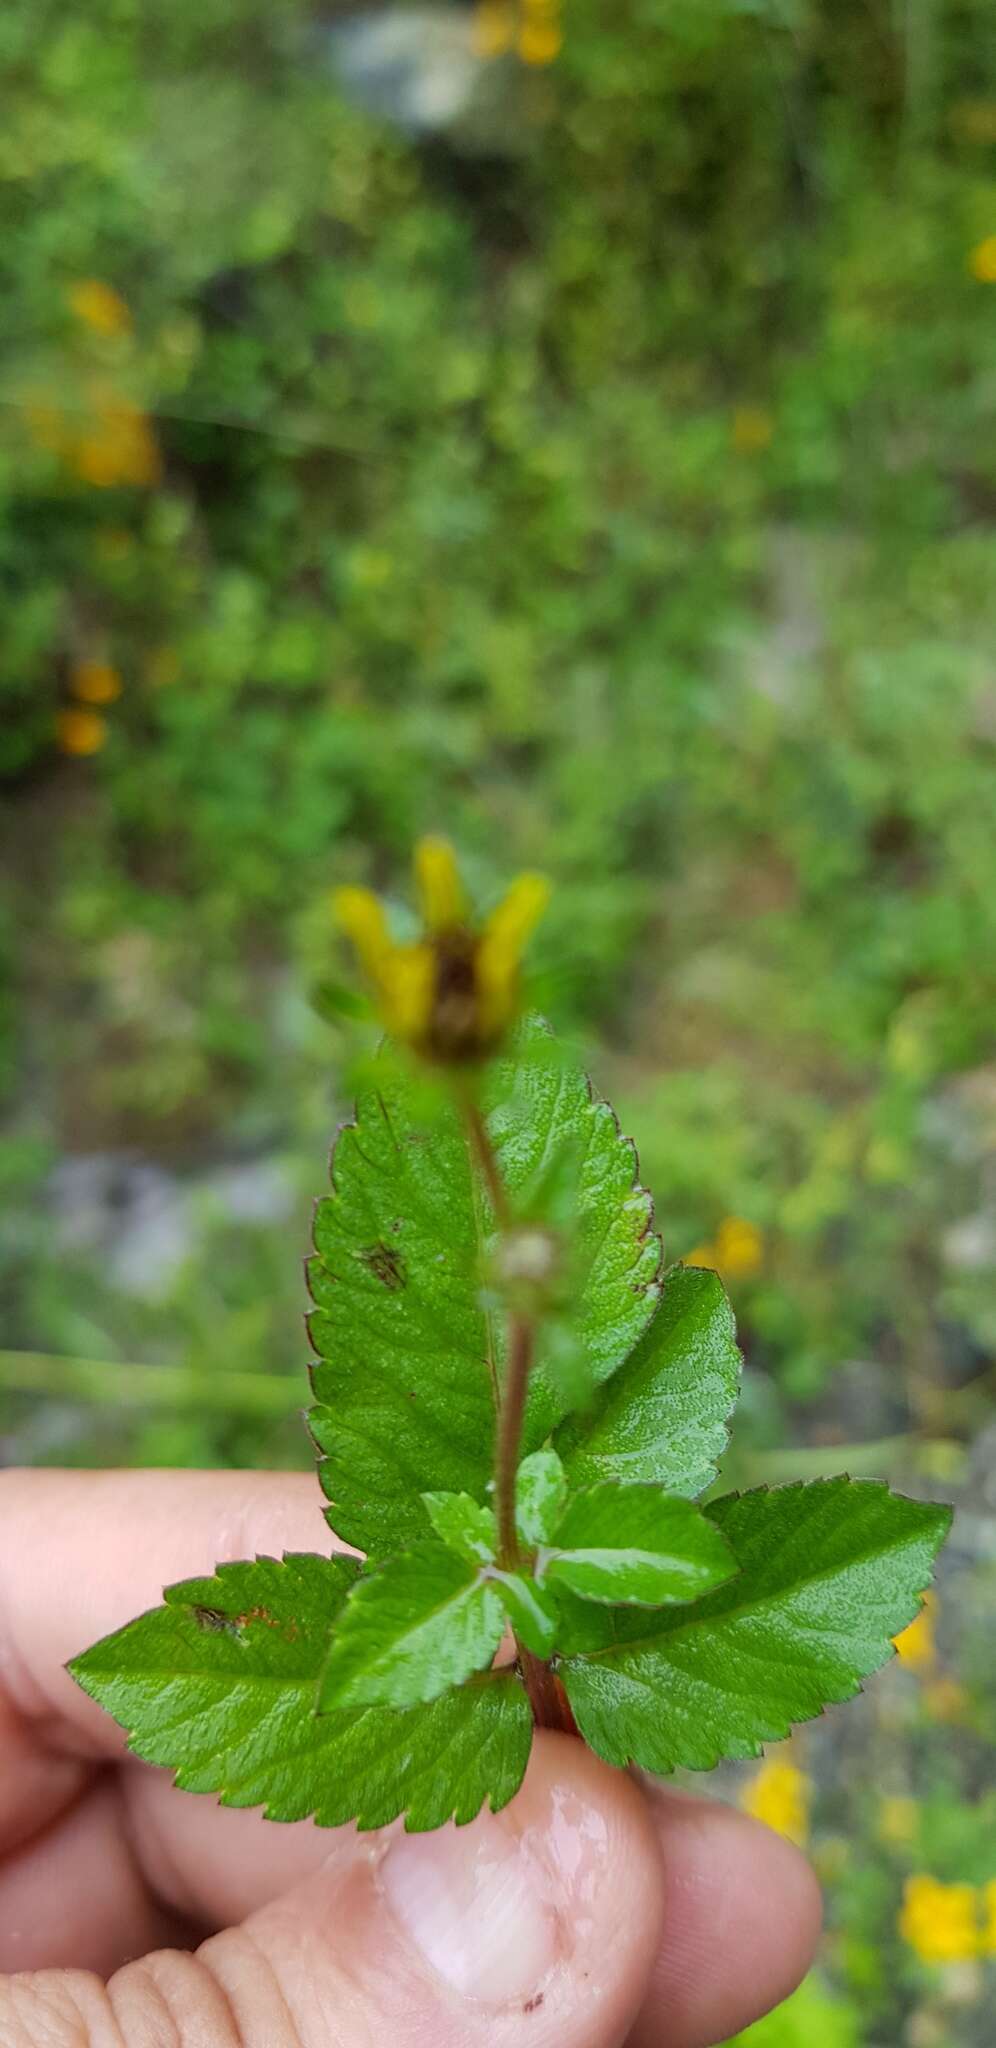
95,682
453,993
982,260
98,306
80,732
779,1795
940,1921
915,1643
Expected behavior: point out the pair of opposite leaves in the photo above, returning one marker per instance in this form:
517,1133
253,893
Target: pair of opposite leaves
807,1585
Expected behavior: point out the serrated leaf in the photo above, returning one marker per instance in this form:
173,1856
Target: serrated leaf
424,1621
540,1496
408,1359
463,1525
219,1686
635,1544
664,1415
829,1573
531,1609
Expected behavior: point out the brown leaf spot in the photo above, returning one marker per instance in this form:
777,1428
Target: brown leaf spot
385,1263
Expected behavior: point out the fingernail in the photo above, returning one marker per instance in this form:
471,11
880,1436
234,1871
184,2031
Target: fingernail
489,1905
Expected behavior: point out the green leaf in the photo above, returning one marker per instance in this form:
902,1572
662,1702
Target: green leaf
463,1525
422,1622
636,1543
829,1573
540,1494
531,1609
409,1359
219,1685
664,1416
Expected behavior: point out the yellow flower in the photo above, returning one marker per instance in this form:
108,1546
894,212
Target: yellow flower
897,1819
540,42
940,1921
118,447
779,1794
739,1247
752,429
452,994
494,28
982,260
80,732
99,306
95,682
915,1645
736,1251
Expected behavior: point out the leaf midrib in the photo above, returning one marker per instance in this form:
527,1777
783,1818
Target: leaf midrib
684,1628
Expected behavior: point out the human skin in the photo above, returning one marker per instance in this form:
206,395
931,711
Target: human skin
591,1912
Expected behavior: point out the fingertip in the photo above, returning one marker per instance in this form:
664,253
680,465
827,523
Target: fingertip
742,1913
549,1910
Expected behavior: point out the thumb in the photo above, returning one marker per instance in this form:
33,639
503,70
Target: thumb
538,1925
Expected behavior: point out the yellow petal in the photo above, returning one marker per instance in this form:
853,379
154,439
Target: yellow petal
360,914
95,682
80,732
915,1643
503,942
982,260
99,306
407,986
540,42
440,891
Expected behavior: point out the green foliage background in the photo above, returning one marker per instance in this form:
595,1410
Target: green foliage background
610,482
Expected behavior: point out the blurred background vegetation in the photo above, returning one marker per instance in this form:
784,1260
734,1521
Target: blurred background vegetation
572,427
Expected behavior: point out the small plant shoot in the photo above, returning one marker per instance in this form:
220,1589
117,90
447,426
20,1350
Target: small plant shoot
517,1406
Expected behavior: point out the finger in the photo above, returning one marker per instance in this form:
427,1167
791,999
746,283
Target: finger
75,1894
739,1925
82,1552
741,1920
535,1926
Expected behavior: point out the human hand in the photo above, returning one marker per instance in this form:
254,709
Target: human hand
589,1912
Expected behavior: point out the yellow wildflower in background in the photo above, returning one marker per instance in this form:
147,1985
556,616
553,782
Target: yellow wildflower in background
494,28
940,1921
117,447
982,260
779,1794
915,1645
99,306
752,429
533,27
540,42
95,682
452,994
80,732
736,1251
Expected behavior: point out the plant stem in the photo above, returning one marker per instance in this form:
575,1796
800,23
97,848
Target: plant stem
510,1419
543,1692
549,1708
483,1151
